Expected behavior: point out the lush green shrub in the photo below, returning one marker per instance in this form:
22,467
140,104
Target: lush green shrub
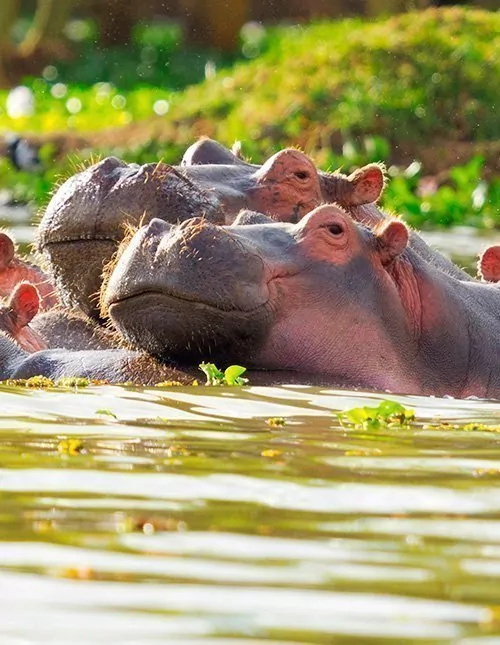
417,76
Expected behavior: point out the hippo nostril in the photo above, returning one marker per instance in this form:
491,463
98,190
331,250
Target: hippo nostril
157,226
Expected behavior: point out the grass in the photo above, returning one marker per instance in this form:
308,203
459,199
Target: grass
347,92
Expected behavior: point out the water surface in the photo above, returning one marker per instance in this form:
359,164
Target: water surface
182,516
133,517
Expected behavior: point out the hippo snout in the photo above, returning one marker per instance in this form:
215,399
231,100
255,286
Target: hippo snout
177,288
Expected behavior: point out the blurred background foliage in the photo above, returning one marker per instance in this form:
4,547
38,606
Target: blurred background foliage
346,80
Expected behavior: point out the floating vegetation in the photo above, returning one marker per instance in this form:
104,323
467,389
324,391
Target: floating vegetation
70,447
388,414
276,422
232,375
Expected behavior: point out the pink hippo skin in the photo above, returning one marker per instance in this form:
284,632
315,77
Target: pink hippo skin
16,314
14,270
325,297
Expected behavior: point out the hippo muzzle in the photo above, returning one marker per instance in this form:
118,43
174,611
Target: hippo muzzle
180,290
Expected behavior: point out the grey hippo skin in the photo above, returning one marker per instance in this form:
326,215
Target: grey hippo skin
325,296
86,218
112,365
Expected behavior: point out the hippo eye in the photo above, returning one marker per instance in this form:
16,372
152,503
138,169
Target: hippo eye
302,175
335,229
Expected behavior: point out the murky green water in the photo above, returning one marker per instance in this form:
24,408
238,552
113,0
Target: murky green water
180,516
187,518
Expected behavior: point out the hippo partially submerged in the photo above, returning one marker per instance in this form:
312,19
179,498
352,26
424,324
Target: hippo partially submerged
326,296
85,220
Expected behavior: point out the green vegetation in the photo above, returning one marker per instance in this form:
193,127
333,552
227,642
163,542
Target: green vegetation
392,415
410,77
387,414
232,375
414,86
106,413
465,197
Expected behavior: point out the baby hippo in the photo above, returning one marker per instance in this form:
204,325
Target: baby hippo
14,270
16,315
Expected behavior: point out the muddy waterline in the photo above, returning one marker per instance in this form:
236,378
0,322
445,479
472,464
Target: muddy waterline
133,516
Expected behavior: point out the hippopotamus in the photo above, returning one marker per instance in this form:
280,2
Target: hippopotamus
74,347
14,270
109,365
87,216
17,313
25,353
208,151
326,296
23,283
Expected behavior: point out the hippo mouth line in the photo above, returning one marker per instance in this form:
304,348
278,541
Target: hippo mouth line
44,242
174,298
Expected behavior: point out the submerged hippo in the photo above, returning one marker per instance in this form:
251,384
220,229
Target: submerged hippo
110,365
326,296
32,308
85,220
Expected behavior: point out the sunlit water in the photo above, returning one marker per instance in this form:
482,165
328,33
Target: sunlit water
181,516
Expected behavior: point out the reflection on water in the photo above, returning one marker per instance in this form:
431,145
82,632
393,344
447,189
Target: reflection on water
184,517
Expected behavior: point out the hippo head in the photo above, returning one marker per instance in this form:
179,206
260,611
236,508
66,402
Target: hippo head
16,314
319,296
85,220
288,185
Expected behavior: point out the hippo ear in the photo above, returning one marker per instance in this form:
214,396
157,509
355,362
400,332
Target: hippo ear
25,302
7,251
488,266
236,150
367,184
392,240
208,151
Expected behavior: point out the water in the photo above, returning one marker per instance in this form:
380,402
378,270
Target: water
135,517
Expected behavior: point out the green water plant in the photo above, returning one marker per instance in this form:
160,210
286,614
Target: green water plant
387,414
463,197
106,413
232,375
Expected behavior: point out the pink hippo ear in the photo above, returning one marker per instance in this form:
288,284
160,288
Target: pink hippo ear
7,251
25,302
367,184
488,266
392,240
